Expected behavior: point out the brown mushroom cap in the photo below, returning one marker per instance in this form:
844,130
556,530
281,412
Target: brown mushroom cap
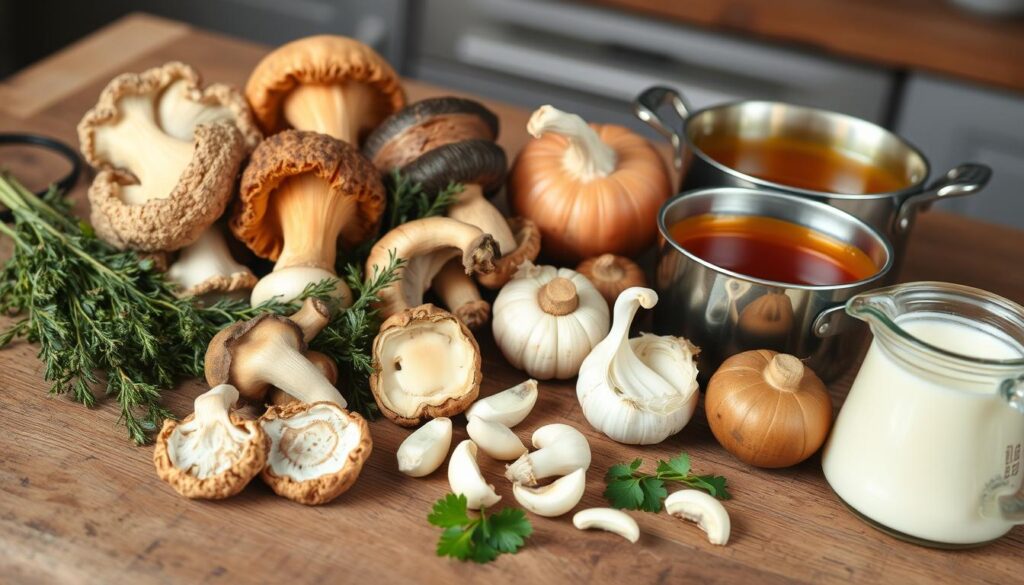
527,236
322,59
291,153
221,365
326,487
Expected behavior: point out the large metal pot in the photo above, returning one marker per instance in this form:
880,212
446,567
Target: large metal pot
724,312
892,213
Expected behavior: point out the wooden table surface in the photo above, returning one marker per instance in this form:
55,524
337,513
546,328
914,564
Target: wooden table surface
930,35
80,504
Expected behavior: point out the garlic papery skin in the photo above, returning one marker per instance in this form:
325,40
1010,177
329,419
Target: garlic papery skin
638,391
705,510
496,440
508,407
546,320
608,519
465,478
424,450
554,499
561,450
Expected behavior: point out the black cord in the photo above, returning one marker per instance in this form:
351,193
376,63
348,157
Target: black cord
66,182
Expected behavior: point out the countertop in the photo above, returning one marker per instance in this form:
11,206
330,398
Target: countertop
80,503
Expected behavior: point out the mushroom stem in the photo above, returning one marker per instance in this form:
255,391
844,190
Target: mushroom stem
587,156
473,208
784,372
312,317
283,366
206,259
214,405
310,219
460,295
558,297
330,109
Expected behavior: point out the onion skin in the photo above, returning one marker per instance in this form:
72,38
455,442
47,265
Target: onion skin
763,423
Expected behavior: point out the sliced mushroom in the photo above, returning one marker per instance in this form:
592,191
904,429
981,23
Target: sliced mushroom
424,450
608,519
426,364
496,440
263,352
300,194
442,140
464,477
460,294
317,450
167,153
213,453
554,499
206,269
326,366
561,450
508,407
705,510
427,245
328,84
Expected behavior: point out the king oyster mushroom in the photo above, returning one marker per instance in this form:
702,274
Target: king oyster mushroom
206,269
213,453
442,140
426,364
316,450
300,193
427,245
328,84
167,152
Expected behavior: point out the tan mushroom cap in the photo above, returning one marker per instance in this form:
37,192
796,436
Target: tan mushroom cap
322,59
527,236
324,488
291,153
249,464
221,365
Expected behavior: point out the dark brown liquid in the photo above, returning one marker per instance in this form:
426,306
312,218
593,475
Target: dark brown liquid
772,249
801,164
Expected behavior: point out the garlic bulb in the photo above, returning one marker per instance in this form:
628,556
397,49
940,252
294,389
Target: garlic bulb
638,391
546,320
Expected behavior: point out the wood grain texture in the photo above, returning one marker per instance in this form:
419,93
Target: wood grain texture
80,504
931,35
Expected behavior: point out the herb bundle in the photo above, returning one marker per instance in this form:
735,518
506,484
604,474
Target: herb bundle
630,489
479,539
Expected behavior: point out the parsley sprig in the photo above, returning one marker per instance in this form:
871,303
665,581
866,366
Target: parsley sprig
630,489
479,539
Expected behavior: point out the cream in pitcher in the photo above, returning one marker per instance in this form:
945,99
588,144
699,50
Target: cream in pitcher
929,442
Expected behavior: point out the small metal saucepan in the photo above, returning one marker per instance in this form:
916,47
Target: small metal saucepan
724,312
891,213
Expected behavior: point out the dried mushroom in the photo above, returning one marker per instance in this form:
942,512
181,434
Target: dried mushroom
461,296
316,451
213,453
167,152
427,245
442,140
206,269
426,364
328,84
300,194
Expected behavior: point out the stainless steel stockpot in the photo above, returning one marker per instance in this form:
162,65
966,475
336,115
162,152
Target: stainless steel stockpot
724,312
892,213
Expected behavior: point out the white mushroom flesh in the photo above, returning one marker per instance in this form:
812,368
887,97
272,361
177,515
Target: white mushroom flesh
554,499
209,444
703,509
206,258
495,439
608,519
179,115
311,444
508,407
561,449
465,478
424,450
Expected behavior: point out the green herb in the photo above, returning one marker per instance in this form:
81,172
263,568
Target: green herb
407,201
630,489
479,539
95,310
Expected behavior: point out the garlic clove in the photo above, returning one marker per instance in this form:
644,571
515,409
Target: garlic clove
706,511
424,450
561,449
508,407
554,499
608,519
496,440
465,478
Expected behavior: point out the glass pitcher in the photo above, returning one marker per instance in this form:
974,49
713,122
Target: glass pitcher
927,445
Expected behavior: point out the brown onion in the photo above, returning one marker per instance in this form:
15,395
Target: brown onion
611,274
768,409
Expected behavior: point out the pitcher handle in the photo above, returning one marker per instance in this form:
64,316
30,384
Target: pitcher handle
959,181
646,107
1011,507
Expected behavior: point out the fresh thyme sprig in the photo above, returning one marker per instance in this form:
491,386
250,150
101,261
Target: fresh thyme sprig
407,200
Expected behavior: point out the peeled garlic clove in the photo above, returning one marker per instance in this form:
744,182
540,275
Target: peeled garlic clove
608,519
561,450
465,478
424,450
706,511
554,499
508,407
496,440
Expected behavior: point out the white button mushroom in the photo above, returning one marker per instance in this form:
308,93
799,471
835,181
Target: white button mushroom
608,519
705,510
553,499
561,450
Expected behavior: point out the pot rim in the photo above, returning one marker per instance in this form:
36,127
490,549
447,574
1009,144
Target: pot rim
911,189
819,206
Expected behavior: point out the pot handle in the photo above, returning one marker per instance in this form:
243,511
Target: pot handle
1011,507
958,181
646,107
832,321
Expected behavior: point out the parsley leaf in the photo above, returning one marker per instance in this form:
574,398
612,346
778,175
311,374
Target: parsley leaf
480,539
630,489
